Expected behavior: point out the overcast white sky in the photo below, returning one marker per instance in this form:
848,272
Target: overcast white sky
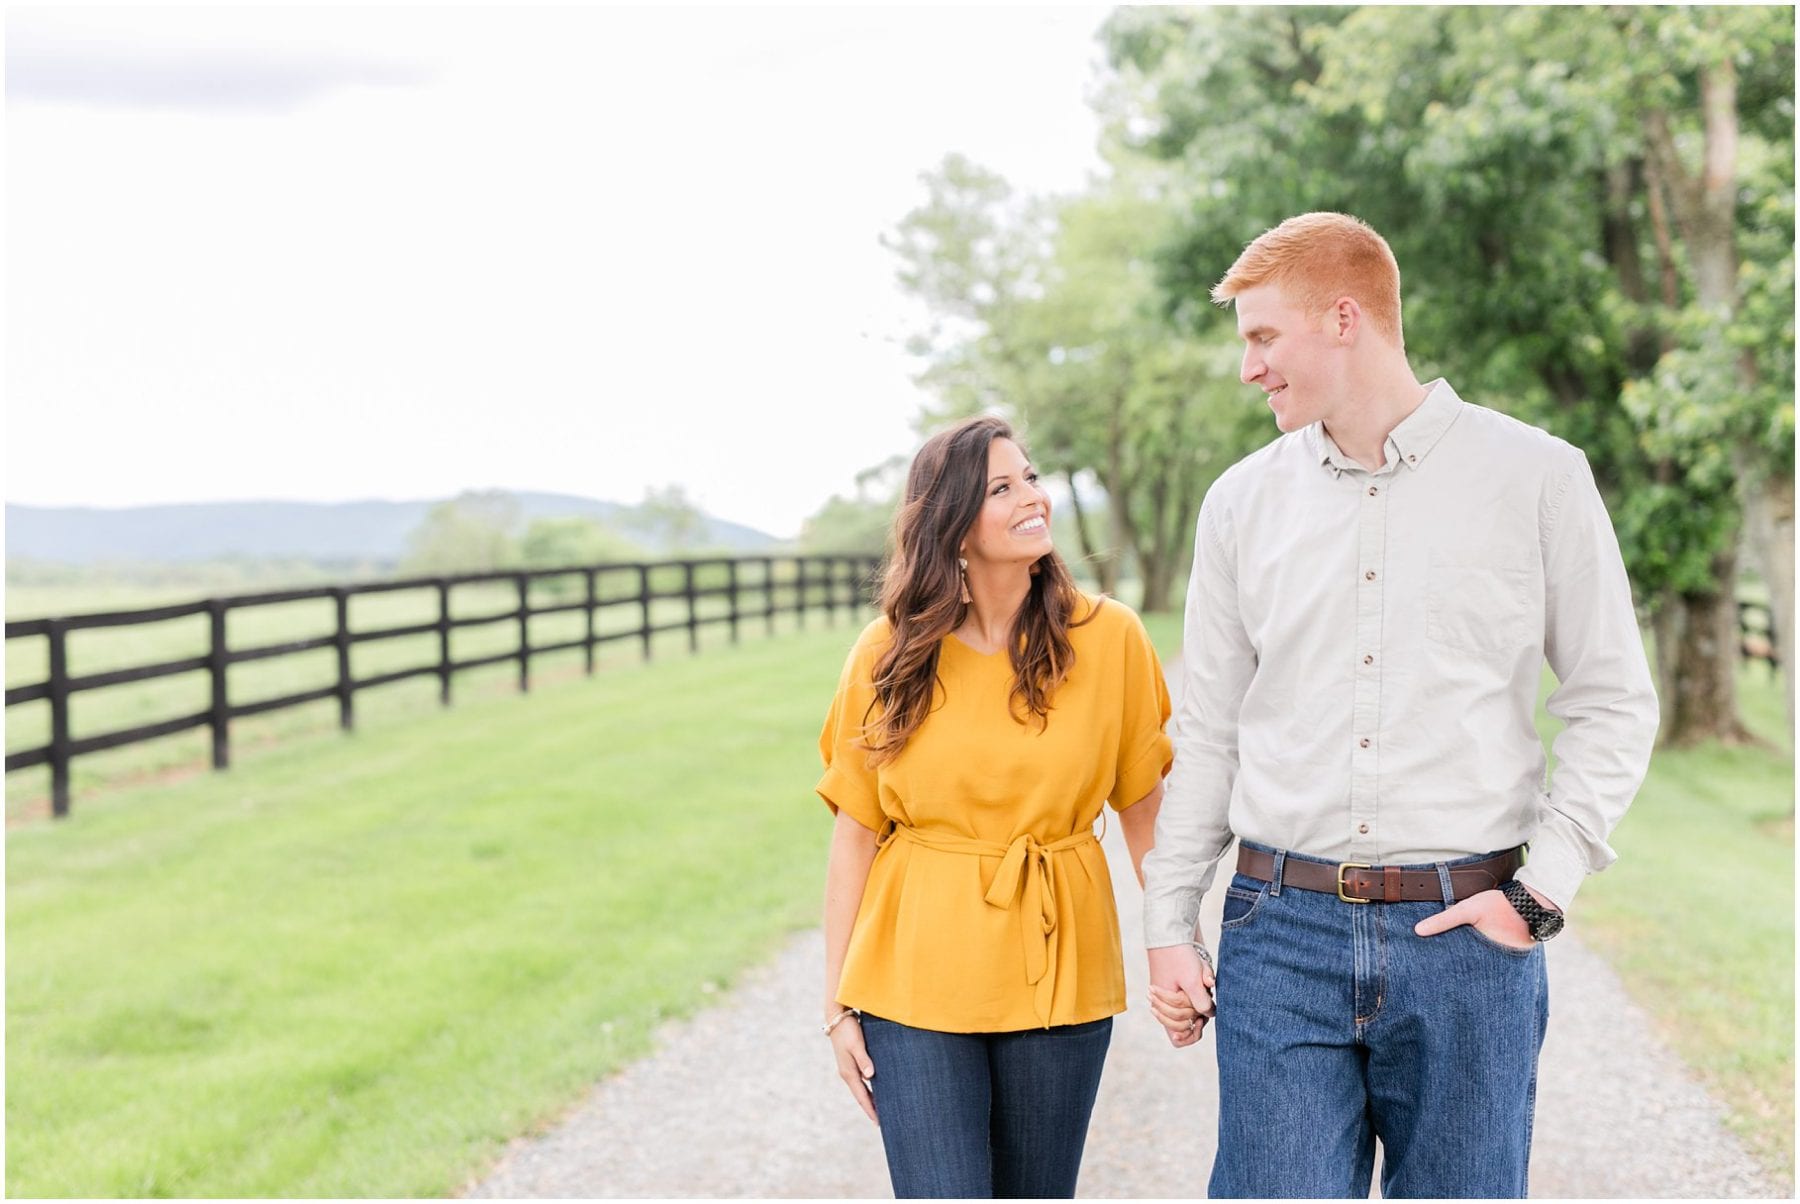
343,253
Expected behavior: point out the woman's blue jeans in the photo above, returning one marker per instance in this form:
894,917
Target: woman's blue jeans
985,1115
1337,1025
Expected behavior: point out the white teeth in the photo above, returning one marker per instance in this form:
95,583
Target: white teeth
1029,525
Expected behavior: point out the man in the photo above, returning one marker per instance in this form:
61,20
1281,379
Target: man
1373,597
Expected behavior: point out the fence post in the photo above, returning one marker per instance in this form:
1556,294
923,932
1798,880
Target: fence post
59,718
800,592
769,592
346,690
1774,657
592,602
687,588
731,591
524,584
221,706
644,606
443,626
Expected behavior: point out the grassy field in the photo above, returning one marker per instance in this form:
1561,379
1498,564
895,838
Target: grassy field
118,707
357,966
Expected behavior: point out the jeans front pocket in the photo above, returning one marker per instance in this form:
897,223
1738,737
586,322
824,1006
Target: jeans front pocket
1491,943
1241,905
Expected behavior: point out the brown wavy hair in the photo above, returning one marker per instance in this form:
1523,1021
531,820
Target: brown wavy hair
921,594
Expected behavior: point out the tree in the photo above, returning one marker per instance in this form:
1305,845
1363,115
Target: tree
858,524
570,542
1048,313
668,519
474,532
573,541
1532,168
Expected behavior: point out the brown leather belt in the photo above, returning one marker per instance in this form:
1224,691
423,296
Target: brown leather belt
1354,882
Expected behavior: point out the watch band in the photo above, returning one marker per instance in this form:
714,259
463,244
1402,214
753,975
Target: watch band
1544,922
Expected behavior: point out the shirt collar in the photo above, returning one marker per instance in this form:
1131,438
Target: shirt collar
1409,443
1414,438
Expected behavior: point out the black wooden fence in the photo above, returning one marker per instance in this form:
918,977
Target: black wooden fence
752,586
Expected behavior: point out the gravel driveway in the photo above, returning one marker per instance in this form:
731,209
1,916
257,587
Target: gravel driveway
743,1100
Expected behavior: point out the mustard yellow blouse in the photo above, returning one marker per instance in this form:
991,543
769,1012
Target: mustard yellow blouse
989,907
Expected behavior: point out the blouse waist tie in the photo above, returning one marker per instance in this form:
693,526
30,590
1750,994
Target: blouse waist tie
1025,875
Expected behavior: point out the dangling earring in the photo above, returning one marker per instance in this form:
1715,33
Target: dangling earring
962,568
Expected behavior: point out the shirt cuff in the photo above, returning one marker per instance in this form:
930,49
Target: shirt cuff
1171,922
1555,868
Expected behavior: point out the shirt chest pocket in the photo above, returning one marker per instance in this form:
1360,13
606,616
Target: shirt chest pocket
1481,605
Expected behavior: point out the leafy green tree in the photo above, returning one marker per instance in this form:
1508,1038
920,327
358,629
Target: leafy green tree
668,519
574,541
475,532
1569,192
1051,315
570,542
860,523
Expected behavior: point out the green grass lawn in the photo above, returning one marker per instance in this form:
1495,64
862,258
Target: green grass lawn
1697,915
357,966
118,707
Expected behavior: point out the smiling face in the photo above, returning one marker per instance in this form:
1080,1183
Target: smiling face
1013,525
1300,360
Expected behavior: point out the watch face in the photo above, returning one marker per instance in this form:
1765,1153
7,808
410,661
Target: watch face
1547,926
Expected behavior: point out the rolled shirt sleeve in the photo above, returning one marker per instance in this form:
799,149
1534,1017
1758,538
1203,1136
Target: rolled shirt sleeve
849,783
1144,746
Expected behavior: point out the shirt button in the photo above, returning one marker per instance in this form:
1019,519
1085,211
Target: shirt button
1369,576
1373,491
1363,828
1412,459
1368,660
1363,743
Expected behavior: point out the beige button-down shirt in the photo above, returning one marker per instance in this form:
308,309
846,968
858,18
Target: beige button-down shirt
1362,653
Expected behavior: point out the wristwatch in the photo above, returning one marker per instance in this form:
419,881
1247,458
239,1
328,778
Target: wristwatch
1544,922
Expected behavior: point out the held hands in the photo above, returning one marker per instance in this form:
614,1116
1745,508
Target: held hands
1489,913
853,1063
1181,993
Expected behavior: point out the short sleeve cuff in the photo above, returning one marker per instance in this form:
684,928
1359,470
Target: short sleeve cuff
842,790
1146,771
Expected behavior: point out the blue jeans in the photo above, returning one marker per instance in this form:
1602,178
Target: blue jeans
1337,1025
985,1115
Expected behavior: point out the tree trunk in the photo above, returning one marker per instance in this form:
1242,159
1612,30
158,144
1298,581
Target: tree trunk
1118,498
1700,694
1159,580
1105,566
1769,538
1704,696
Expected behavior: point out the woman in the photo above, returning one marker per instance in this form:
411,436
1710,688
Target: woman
972,950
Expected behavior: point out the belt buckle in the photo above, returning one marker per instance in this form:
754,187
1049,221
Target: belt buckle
1350,865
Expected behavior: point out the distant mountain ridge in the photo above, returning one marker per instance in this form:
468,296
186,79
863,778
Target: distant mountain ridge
200,531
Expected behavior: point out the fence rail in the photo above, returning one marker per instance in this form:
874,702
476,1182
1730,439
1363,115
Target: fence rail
755,588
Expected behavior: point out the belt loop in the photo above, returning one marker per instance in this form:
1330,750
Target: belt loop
1444,884
1280,864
